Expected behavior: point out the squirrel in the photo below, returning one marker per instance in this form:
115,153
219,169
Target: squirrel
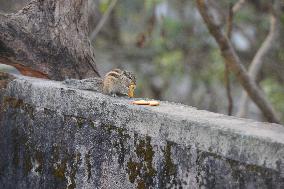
115,82
118,82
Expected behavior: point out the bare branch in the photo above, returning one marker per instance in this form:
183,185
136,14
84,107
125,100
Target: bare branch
235,65
238,6
258,62
230,22
265,47
232,10
227,71
103,20
228,90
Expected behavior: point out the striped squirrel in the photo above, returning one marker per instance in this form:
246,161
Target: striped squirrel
115,82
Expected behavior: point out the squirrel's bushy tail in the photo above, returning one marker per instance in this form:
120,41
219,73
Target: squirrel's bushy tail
92,84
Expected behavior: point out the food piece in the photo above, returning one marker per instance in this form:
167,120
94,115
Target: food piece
144,102
131,90
154,103
141,102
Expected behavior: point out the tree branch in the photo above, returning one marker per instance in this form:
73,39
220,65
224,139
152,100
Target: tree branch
235,65
238,6
258,62
232,10
103,20
227,71
228,90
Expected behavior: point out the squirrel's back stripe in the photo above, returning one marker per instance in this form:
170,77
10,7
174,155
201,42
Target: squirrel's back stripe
113,74
116,70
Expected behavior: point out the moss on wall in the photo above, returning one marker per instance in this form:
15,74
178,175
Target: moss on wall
142,170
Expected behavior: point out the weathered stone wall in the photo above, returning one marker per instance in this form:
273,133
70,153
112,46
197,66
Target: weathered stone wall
52,136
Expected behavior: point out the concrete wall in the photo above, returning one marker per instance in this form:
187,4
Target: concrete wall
52,136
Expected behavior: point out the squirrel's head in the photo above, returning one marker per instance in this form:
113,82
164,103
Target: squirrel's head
130,76
130,81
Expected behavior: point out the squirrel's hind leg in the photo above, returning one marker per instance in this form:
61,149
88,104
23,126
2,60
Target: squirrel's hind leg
113,94
122,95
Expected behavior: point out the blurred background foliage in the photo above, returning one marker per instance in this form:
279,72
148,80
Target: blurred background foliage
167,45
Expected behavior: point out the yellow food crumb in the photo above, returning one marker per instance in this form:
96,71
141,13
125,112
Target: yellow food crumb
131,90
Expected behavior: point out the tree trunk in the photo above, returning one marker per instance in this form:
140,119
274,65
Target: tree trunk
51,37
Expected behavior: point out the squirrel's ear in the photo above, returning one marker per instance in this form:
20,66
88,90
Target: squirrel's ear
133,77
117,70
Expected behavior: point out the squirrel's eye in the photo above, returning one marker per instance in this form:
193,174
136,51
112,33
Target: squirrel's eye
132,83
